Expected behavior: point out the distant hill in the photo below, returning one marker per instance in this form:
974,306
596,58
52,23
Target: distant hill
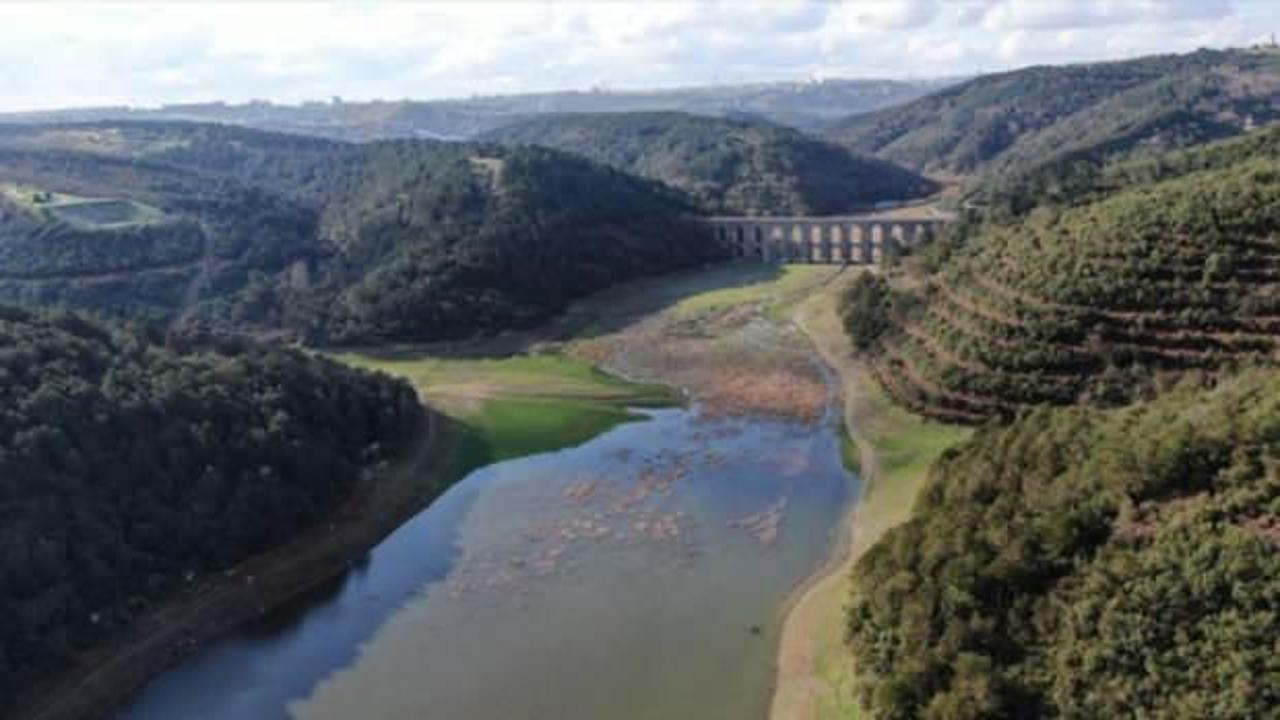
800,104
237,229
728,166
1168,266
1086,564
129,470
1009,125
132,237
479,239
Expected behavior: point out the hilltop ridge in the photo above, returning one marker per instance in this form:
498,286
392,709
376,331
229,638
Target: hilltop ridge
1002,128
727,166
241,230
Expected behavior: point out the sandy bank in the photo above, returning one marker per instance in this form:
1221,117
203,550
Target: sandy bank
814,673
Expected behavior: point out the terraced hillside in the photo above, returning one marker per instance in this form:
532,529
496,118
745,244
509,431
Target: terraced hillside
1104,301
1049,119
727,166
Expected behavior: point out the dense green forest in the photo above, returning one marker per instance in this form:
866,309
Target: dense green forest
127,468
1116,557
727,166
1146,270
1047,119
1087,564
503,239
236,230
181,239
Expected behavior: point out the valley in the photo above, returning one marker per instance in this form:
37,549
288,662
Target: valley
944,399
688,497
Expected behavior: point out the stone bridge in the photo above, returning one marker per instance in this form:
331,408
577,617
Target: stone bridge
840,240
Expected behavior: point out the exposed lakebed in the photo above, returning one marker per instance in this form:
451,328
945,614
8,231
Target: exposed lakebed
640,574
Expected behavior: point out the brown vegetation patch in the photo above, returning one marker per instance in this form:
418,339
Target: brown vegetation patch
734,361
1266,527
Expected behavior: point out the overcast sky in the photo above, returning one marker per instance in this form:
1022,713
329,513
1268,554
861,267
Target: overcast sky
61,55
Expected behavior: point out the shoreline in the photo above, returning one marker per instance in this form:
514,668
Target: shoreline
812,670
795,671
102,680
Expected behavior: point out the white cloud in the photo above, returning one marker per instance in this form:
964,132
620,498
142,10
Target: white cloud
893,14
138,53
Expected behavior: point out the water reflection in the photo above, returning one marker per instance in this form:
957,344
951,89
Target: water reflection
636,576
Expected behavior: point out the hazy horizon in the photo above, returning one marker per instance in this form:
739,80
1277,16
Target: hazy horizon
144,55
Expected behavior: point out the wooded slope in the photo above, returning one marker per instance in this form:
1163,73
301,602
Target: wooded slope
1043,120
1087,564
127,469
240,230
728,167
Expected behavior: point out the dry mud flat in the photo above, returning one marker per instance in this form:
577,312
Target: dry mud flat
734,361
784,353
752,359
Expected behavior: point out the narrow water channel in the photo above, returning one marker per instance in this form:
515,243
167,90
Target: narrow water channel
637,576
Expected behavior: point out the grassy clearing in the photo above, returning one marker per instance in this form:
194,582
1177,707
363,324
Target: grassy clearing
85,211
850,455
521,405
769,287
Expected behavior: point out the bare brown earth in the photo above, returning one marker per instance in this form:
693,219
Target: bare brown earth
736,358
751,351
214,606
740,352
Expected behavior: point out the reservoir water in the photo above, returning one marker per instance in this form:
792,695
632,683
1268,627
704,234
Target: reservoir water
637,576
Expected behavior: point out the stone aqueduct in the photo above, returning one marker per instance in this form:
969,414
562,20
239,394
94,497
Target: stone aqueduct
838,240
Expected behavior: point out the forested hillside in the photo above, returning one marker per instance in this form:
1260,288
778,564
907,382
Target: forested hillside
481,239
1047,119
133,237
1087,564
1154,268
727,166
127,469
230,229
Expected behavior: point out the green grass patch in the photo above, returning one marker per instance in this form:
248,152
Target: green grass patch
549,376
849,455
514,427
911,453
758,286
515,406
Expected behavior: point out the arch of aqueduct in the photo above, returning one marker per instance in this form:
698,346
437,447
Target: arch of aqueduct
839,240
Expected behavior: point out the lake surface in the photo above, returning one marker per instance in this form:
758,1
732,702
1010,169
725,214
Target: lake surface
639,575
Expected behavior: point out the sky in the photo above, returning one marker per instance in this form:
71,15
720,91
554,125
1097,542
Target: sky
55,55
